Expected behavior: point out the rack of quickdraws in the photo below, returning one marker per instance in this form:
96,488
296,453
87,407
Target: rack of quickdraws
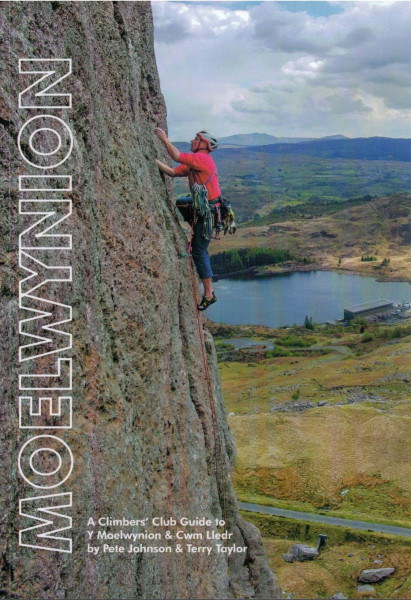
219,217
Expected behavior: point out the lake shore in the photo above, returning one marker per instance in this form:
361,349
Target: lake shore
278,299
336,242
297,267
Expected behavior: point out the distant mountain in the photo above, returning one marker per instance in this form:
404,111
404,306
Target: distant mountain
374,148
263,139
260,139
337,146
335,137
249,139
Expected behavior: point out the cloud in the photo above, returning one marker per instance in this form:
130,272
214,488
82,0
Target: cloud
174,21
260,67
306,67
357,37
281,30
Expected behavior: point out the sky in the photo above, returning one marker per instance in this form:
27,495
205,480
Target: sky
289,69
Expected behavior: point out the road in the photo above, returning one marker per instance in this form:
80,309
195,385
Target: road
303,516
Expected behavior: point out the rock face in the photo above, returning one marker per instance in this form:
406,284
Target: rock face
147,439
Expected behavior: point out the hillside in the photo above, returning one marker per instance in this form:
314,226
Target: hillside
262,179
262,139
373,148
321,420
379,228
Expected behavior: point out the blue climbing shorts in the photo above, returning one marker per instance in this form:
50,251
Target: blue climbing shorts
199,252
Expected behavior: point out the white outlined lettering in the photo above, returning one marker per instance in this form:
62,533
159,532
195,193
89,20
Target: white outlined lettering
31,537
35,412
48,478
45,461
36,134
48,67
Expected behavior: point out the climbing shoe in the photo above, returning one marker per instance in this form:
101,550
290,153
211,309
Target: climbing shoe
205,302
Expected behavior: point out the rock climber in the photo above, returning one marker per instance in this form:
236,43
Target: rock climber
201,170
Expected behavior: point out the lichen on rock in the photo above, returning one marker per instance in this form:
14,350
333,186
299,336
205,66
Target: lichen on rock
143,438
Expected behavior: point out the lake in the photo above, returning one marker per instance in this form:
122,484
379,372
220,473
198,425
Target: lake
287,299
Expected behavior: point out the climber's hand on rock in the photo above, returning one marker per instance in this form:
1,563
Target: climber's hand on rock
161,134
165,168
171,149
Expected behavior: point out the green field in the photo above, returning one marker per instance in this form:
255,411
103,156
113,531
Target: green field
378,228
258,183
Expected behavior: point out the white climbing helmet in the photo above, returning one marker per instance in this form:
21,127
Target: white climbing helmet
208,137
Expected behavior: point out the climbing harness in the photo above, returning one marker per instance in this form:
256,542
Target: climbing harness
201,205
217,214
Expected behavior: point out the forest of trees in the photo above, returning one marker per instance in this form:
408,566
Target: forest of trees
238,260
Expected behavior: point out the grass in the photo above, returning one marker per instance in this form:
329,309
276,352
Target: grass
292,180
299,506
313,456
357,439
339,564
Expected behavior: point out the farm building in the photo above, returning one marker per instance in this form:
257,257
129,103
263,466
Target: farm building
367,308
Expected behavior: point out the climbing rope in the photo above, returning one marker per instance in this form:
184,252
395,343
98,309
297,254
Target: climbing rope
216,431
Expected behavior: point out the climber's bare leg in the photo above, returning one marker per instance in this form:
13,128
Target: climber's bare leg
208,287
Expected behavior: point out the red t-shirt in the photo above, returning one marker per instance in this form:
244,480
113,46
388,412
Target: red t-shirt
202,166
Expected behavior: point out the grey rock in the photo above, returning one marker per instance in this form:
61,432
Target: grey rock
365,589
144,438
375,575
378,562
288,557
339,596
302,552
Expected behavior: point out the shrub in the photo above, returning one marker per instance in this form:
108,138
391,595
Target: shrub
368,258
297,342
308,322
